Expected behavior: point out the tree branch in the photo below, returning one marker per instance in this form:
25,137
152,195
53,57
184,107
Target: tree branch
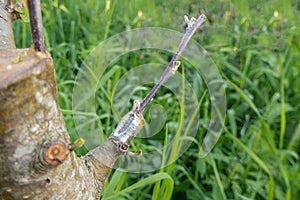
173,64
34,7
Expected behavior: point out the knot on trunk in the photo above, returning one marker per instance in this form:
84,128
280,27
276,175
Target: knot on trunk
55,153
50,155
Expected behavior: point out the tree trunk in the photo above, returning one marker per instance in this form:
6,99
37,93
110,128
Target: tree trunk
6,34
36,159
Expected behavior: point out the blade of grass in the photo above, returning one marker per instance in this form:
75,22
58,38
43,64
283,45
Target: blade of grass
245,80
175,151
190,178
220,185
113,183
271,188
110,11
157,187
72,112
295,137
282,110
146,182
249,152
270,139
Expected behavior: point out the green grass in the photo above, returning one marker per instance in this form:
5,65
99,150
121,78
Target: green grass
256,47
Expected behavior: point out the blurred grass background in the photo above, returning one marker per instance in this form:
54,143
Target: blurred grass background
256,46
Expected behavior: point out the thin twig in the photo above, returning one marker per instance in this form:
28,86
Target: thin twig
10,4
168,71
34,7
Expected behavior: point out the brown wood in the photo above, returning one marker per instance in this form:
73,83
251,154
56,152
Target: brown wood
35,15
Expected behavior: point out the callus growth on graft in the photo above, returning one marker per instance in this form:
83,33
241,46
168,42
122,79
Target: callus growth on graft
129,125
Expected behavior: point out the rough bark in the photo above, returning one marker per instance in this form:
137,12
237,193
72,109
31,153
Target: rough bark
6,33
36,161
